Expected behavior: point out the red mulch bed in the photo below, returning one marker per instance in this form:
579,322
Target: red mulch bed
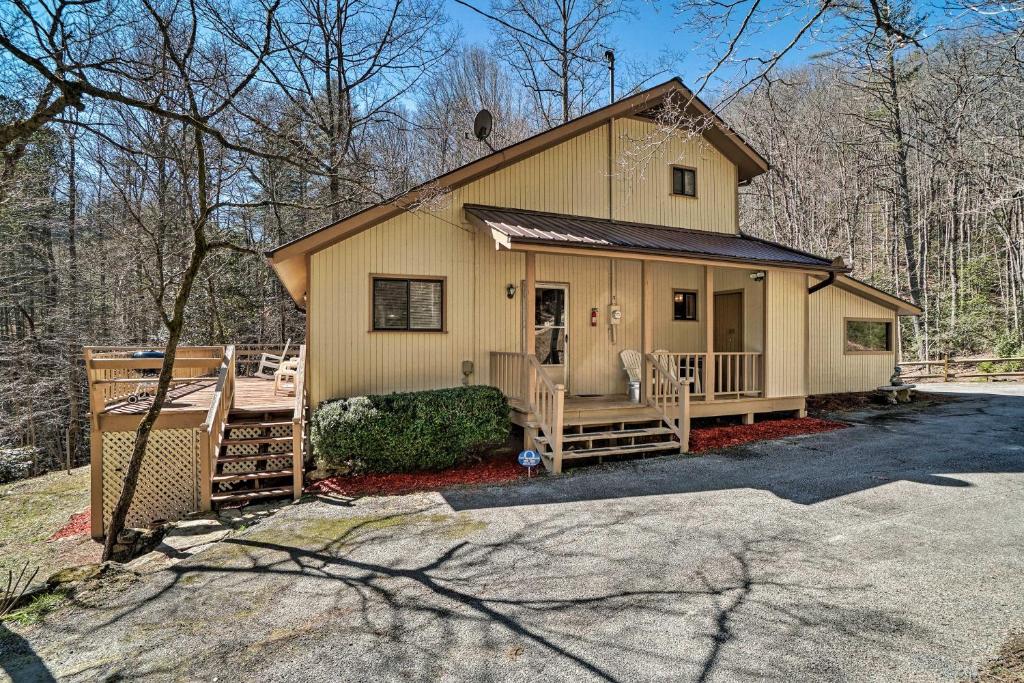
492,471
77,525
505,468
709,438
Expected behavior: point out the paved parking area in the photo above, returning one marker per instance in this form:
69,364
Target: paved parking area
891,550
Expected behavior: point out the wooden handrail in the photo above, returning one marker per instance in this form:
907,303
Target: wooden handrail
298,424
212,430
670,397
508,371
547,403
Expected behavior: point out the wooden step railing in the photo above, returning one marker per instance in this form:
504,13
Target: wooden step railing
211,433
687,366
299,425
670,397
547,403
508,373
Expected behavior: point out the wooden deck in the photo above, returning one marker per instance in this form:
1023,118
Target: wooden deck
252,394
617,408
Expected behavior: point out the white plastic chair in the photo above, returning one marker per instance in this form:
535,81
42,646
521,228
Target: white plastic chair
632,363
284,378
269,363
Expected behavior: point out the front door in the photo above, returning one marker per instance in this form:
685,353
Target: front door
728,321
552,333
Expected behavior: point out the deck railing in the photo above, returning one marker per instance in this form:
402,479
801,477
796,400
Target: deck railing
299,424
547,403
670,397
211,434
115,376
737,373
509,374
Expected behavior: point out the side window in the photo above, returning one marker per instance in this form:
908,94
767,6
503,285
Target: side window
684,305
408,304
868,336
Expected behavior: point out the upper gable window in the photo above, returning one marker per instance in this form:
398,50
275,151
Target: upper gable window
684,181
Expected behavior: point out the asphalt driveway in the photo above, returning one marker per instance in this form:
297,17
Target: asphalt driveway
892,550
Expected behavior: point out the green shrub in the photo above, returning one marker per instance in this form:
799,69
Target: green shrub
408,432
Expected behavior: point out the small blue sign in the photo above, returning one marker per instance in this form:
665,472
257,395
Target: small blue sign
529,459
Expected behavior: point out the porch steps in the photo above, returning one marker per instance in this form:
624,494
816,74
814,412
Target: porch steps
255,459
605,436
607,451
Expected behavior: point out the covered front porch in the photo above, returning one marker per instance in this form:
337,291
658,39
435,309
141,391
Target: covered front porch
720,332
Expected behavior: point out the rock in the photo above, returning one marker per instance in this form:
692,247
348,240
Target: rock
74,574
152,561
190,533
84,573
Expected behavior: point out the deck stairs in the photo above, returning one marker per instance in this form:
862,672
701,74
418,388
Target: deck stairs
255,459
612,431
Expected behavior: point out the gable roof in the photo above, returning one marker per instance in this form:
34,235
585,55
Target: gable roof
289,259
520,226
882,298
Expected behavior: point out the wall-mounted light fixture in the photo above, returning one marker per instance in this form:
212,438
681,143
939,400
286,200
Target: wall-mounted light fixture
757,276
510,290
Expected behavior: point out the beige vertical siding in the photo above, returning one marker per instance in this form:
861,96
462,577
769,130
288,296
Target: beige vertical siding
642,187
672,335
831,370
785,333
346,359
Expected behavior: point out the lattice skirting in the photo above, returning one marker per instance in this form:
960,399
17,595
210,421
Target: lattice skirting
168,485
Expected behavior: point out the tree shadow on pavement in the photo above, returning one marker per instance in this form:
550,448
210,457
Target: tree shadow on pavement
981,433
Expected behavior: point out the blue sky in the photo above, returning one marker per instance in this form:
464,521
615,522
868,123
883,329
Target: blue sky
651,31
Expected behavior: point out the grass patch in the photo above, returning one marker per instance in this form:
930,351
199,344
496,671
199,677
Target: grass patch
37,608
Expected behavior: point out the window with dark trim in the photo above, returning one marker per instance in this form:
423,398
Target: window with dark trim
684,305
684,181
868,336
408,304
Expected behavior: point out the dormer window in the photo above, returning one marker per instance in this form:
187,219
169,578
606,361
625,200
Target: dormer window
684,181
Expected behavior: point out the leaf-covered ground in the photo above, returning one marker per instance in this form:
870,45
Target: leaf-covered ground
33,510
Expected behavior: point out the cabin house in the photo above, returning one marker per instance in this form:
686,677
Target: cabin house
534,268
539,269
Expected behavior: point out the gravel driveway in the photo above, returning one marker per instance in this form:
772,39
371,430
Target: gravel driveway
892,550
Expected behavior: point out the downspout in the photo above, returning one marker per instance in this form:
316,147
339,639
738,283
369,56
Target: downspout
831,278
823,284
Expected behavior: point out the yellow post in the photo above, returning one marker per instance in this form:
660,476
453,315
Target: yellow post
529,324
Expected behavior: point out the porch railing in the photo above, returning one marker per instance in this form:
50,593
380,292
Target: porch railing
508,373
738,373
670,397
211,434
547,403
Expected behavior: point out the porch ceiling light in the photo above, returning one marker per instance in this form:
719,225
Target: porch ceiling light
510,290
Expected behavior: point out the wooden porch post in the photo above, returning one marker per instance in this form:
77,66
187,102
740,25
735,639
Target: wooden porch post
709,323
647,323
529,318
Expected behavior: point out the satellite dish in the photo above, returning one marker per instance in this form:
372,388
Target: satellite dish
482,124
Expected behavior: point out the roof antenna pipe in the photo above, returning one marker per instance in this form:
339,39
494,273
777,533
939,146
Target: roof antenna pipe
609,56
